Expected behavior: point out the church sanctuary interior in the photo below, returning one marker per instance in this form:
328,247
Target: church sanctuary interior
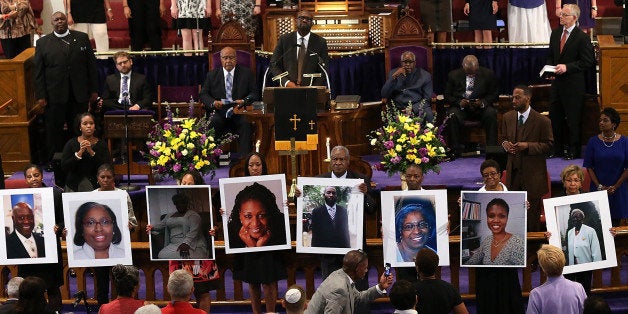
366,41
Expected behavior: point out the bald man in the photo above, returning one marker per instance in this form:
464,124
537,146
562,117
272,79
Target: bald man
225,103
22,242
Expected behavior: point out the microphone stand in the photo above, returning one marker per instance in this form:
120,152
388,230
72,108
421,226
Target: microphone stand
81,295
127,105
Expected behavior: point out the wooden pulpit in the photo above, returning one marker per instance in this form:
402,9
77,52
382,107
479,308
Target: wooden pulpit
140,123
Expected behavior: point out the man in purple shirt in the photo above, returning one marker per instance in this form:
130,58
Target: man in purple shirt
557,294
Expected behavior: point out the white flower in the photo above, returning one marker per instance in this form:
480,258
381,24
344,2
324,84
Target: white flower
184,152
429,125
373,142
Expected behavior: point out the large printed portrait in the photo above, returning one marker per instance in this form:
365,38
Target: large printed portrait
329,215
493,229
411,221
29,220
256,217
98,228
180,218
580,225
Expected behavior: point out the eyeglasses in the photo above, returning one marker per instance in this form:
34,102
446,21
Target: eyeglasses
104,223
407,61
419,225
123,62
305,18
490,175
563,14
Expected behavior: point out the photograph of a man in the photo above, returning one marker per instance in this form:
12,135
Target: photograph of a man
329,223
22,242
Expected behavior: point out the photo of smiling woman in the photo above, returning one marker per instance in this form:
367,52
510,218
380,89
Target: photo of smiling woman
97,233
415,226
256,220
499,246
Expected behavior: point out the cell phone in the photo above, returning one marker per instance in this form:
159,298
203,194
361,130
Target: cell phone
387,269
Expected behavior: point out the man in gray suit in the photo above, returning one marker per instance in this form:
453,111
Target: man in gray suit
338,293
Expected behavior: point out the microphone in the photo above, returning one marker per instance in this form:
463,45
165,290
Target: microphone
321,64
78,297
274,63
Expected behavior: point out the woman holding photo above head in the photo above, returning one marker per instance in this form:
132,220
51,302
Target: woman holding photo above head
259,268
183,237
606,160
82,156
51,273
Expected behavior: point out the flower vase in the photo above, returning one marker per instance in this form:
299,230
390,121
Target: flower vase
404,184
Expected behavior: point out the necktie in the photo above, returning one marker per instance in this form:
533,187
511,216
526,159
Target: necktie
300,60
520,120
563,39
125,84
332,213
229,86
32,248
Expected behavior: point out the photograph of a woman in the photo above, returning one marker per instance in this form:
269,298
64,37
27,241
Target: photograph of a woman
256,219
411,221
176,226
97,229
97,233
415,226
255,215
583,225
501,228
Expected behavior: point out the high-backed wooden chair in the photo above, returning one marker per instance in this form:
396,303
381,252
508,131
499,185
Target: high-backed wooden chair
408,35
178,97
232,34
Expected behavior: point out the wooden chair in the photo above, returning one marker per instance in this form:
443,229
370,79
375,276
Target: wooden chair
232,34
178,98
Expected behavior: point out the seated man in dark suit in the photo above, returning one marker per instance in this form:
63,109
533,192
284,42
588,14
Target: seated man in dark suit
13,289
22,242
471,92
226,91
126,85
409,84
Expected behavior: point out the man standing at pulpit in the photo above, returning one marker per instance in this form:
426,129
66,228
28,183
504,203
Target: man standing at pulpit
226,91
127,84
298,53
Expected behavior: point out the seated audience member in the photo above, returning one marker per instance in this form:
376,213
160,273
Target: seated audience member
338,293
435,295
148,309
596,305
13,289
226,90
127,282
557,294
403,297
295,300
126,85
180,288
471,92
408,85
32,297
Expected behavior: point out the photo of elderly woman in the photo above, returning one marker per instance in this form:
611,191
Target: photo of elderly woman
179,221
582,243
411,221
255,217
493,229
415,228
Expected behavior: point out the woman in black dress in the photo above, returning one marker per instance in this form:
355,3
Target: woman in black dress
482,19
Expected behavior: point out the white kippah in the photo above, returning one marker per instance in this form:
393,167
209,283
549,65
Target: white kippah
293,295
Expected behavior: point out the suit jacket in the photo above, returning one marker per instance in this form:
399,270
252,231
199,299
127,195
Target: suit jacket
413,87
577,55
336,295
537,131
485,87
214,86
7,307
285,58
15,248
63,65
140,92
328,233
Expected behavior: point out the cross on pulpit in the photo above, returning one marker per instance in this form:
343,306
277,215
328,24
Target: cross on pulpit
312,124
293,152
294,120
